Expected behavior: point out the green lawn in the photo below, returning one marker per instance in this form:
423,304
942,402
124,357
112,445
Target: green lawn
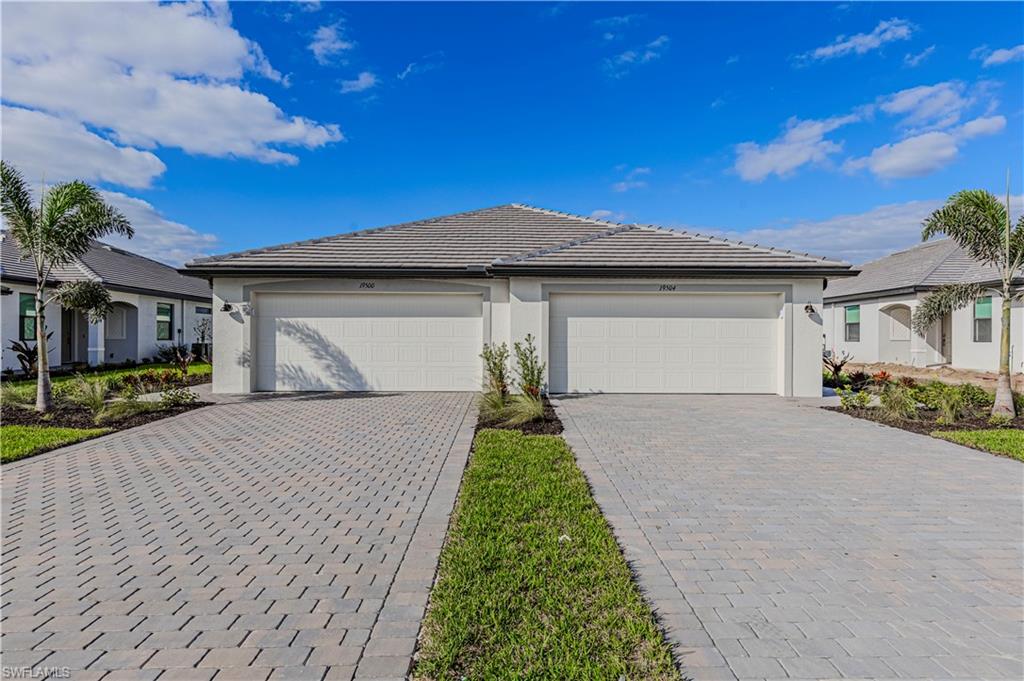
1006,441
196,369
17,442
531,582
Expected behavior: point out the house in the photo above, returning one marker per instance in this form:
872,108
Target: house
869,316
154,305
613,308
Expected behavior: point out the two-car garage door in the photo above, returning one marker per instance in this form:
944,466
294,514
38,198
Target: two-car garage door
672,343
369,341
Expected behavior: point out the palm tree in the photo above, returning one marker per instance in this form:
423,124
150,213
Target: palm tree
54,232
980,224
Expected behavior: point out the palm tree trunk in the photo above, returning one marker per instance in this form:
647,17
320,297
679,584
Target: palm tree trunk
1003,406
44,393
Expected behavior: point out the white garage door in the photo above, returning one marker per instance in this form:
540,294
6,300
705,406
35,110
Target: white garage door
665,343
375,341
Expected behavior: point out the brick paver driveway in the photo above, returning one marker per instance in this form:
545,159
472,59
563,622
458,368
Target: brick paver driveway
781,540
291,537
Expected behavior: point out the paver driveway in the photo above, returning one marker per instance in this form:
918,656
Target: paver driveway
781,540
294,537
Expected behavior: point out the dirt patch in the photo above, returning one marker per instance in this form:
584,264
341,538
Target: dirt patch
984,379
925,424
73,416
550,425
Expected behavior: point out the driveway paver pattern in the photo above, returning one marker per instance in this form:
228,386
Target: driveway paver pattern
291,537
778,540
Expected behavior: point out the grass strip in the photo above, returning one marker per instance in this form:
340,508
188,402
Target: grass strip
17,442
531,582
1005,441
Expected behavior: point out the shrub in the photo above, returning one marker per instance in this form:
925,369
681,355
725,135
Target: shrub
976,396
17,395
897,402
1018,403
170,377
951,405
177,397
858,379
524,408
149,377
850,398
493,406
830,381
529,367
116,411
496,367
1000,420
835,364
881,378
907,381
90,393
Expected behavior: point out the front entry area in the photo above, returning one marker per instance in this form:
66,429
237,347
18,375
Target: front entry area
368,341
671,343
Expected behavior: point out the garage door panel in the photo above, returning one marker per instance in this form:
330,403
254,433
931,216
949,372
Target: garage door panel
368,342
664,343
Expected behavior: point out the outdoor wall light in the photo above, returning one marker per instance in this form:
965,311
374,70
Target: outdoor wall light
4,291
809,309
226,307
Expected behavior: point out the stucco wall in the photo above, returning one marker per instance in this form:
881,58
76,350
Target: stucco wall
9,326
513,309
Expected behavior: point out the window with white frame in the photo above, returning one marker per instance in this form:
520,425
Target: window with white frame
164,321
852,323
983,320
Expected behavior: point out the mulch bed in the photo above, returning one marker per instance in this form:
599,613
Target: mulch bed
925,423
551,425
73,416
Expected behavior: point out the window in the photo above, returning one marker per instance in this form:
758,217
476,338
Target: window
114,325
852,323
164,321
26,316
983,320
204,310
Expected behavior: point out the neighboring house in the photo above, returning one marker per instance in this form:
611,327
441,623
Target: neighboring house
613,308
154,305
869,315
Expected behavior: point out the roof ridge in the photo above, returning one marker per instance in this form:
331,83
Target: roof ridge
563,214
565,245
942,260
733,242
341,235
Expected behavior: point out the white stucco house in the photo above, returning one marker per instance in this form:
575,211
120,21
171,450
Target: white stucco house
868,316
613,308
154,305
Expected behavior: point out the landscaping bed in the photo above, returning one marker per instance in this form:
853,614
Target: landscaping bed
74,416
548,425
531,582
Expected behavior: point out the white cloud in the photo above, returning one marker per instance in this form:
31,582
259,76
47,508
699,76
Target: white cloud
608,215
617,21
803,142
46,147
717,102
310,5
885,32
915,60
149,76
427,62
364,81
928,107
157,237
632,179
732,59
621,64
855,237
1004,56
328,43
925,153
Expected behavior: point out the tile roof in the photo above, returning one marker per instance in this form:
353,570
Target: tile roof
512,237
113,267
924,266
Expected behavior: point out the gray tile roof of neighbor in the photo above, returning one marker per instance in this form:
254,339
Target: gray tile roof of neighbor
922,267
115,268
514,238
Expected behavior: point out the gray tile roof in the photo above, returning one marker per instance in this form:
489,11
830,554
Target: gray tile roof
922,267
512,238
115,268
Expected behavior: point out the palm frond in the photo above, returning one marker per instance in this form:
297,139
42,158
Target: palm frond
16,206
942,301
976,220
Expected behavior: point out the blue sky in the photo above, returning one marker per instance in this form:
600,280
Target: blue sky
832,128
